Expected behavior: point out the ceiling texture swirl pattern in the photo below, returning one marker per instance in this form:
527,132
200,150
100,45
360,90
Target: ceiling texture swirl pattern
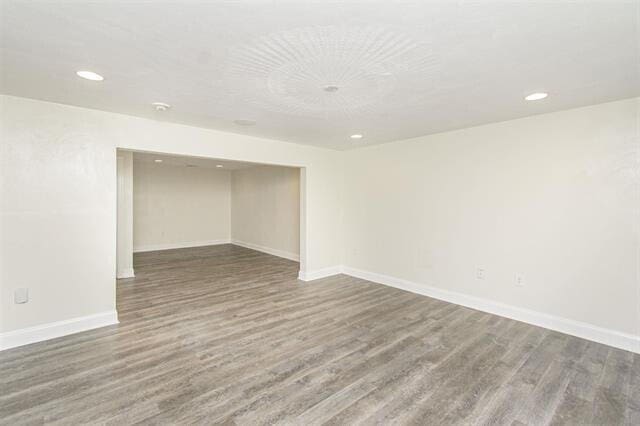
327,71
317,72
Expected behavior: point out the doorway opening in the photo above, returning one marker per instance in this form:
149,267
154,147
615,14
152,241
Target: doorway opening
171,202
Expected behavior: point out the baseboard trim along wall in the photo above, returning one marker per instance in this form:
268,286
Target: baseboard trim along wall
580,329
156,247
127,273
583,330
280,253
38,333
320,273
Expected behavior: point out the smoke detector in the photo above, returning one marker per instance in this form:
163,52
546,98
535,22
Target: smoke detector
161,106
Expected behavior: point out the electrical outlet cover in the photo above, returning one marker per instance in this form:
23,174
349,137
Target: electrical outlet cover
21,295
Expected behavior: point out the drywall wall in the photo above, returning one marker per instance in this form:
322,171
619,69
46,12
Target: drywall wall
265,209
177,206
553,197
59,203
124,224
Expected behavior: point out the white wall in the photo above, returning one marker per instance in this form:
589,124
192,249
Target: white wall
554,197
179,206
59,201
124,224
58,204
265,209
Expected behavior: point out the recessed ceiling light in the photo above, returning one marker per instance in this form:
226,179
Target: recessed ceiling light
90,75
356,136
158,160
245,122
161,106
331,88
219,166
536,96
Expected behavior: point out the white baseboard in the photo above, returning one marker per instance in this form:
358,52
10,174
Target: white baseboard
38,333
319,273
268,250
584,330
126,273
156,247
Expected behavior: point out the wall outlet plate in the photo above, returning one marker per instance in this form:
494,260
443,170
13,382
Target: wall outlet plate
519,280
480,273
21,295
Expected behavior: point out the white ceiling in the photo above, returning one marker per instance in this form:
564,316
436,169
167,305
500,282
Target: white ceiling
402,69
184,161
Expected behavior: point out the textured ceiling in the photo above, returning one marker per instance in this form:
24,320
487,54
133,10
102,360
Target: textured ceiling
317,72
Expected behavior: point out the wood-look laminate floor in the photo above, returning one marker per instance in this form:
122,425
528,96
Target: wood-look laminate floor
224,334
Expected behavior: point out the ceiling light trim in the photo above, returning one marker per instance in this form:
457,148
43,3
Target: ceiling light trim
89,75
536,96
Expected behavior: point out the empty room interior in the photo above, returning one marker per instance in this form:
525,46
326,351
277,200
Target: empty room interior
310,213
178,202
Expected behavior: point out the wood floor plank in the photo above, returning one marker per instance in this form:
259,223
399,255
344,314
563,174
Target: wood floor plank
612,393
228,335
